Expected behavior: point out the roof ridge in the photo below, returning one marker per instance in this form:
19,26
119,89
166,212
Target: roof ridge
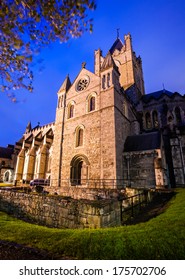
117,45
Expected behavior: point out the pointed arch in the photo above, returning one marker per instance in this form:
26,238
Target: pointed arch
178,115
148,120
155,119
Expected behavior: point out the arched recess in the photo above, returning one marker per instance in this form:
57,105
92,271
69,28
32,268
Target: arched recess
148,121
7,176
71,110
178,115
91,102
155,119
79,170
79,136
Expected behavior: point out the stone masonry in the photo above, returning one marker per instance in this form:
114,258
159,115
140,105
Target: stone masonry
60,212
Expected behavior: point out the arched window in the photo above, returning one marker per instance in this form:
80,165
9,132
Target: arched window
92,104
148,120
79,139
103,82
60,101
71,111
155,119
178,115
108,80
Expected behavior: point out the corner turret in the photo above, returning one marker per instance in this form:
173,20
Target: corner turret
28,128
62,91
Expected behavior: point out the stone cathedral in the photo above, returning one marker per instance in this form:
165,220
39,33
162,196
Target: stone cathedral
108,134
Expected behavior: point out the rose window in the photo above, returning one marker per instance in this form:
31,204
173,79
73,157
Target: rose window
82,84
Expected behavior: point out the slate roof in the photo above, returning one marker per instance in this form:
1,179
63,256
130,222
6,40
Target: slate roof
116,46
158,94
66,84
143,142
109,62
6,152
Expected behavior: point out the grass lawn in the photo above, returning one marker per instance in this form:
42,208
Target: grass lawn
162,237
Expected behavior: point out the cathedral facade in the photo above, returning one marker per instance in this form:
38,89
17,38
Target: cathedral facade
107,134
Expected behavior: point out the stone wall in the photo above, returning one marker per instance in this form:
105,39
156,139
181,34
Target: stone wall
60,212
178,160
139,169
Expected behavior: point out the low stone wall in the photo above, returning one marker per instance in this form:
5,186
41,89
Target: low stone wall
60,212
86,192
89,193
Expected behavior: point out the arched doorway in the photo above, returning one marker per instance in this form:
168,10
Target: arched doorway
79,170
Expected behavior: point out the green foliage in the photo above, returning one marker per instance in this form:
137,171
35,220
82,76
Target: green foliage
27,26
160,238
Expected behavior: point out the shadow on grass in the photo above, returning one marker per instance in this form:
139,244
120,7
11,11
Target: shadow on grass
157,206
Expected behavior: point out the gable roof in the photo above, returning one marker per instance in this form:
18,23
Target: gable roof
109,62
158,94
83,73
143,142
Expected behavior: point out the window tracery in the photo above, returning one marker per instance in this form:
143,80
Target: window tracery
148,120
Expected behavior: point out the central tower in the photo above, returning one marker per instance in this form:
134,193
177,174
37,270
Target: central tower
130,67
